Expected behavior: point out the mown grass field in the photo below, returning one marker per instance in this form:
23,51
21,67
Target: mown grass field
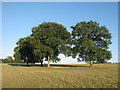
98,76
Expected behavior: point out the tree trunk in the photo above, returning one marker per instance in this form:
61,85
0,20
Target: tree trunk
48,61
91,63
41,63
27,63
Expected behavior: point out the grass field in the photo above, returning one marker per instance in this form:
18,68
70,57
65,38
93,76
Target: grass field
98,76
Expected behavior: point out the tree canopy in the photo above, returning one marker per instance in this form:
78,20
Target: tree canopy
91,42
88,40
8,59
25,49
52,38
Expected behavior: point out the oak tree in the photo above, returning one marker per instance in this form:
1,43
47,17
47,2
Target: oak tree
53,38
91,42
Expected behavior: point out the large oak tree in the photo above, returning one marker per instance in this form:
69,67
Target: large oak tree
91,42
52,38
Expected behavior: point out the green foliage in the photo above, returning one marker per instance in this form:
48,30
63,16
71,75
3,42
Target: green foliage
52,39
1,60
88,41
9,59
17,55
47,39
91,41
24,50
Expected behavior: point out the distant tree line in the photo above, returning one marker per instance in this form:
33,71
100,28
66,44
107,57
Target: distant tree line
8,59
87,42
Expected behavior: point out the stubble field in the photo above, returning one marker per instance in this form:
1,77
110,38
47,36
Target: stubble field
98,76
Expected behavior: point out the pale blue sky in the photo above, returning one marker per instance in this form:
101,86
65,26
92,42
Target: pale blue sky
19,18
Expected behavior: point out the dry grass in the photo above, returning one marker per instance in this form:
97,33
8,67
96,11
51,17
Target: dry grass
98,76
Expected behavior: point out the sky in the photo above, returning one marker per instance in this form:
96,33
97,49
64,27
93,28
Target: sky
19,17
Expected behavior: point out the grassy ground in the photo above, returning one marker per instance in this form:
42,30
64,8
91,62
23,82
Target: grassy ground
98,76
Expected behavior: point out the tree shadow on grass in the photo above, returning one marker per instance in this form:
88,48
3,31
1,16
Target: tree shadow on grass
62,65
24,65
52,65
